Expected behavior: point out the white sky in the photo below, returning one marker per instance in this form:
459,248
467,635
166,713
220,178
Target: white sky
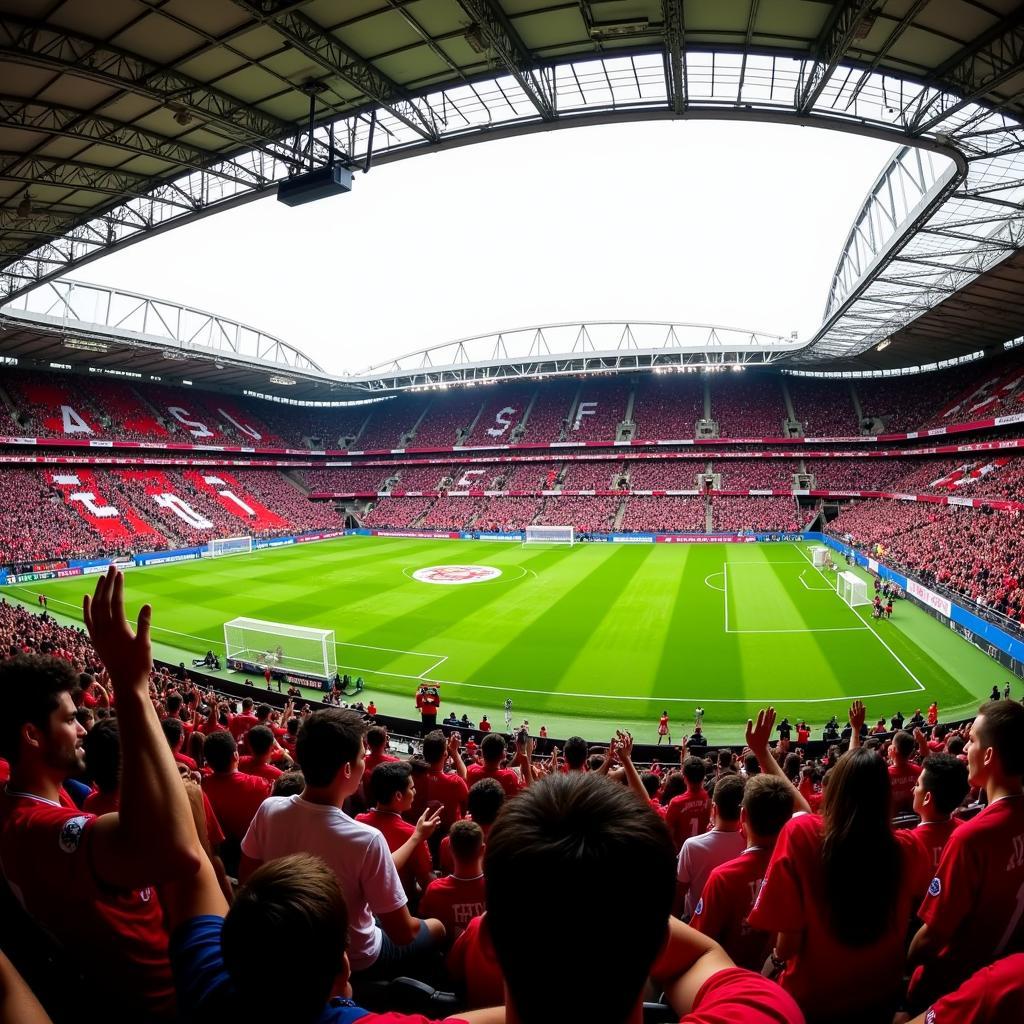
725,223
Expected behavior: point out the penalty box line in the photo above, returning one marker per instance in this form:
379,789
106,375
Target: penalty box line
899,661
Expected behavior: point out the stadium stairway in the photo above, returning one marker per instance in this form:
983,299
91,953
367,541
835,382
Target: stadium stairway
709,525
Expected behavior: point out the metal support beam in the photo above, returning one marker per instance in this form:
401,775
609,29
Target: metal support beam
839,32
512,54
339,59
675,54
976,70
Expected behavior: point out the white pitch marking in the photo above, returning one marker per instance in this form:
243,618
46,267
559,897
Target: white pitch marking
711,576
873,632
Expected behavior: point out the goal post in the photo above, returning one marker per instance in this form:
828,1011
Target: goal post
550,535
852,589
219,546
819,556
281,647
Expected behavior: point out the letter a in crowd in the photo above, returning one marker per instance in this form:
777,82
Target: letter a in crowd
73,423
182,510
215,481
195,428
504,418
584,409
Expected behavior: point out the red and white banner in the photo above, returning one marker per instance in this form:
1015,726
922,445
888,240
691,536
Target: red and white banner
930,598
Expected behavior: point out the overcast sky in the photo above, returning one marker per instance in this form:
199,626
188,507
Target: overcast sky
732,224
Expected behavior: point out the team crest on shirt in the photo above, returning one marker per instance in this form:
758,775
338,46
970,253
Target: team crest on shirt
699,909
935,887
71,834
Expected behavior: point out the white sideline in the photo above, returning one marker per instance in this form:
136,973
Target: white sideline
871,629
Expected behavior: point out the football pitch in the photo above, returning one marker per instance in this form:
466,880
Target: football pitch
581,639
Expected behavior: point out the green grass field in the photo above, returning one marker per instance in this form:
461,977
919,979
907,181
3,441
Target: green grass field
605,633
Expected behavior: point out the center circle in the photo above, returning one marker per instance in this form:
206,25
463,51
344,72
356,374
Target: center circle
452,575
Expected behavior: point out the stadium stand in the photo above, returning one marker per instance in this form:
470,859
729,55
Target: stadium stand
824,408
396,513
449,513
664,474
548,418
529,476
502,412
586,514
668,513
446,417
587,476
389,422
507,513
743,474
761,514
751,406
423,478
668,406
347,480
600,408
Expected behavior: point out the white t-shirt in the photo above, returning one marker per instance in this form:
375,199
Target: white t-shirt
357,853
700,855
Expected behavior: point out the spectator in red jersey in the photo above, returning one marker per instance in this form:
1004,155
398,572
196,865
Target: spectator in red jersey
732,887
493,751
241,724
392,792
940,789
174,733
473,966
103,763
87,880
377,748
485,799
903,772
556,846
689,813
260,741
973,909
459,897
701,854
235,796
933,712
484,725
428,700
385,940
993,995
575,754
813,895
443,788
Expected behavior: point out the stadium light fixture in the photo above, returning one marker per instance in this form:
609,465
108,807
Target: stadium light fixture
86,344
883,345
169,353
286,381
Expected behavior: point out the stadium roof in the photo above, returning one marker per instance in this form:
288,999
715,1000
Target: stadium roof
122,119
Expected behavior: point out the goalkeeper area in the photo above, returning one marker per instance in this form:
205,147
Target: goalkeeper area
580,638
302,651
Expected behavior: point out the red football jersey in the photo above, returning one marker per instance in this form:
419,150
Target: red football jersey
451,791
235,797
736,996
253,766
727,899
473,965
976,899
793,899
397,832
688,815
995,995
933,836
509,779
454,901
903,779
241,724
117,935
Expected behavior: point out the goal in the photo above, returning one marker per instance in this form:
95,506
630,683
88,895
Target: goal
550,535
852,589
819,556
229,546
281,647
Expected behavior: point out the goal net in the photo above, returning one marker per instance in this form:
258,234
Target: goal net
819,556
229,546
852,589
550,535
297,650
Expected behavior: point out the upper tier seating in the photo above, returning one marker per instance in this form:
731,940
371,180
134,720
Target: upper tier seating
422,478
346,480
550,412
503,410
665,474
747,405
824,408
597,475
447,415
600,409
747,474
529,476
668,406
396,513
390,421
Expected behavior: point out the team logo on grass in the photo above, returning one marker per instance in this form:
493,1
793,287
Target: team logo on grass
448,575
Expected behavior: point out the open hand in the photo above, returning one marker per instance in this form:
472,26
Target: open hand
857,715
127,655
759,733
428,823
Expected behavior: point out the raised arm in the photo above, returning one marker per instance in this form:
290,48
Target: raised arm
453,753
153,837
759,734
624,751
425,828
857,715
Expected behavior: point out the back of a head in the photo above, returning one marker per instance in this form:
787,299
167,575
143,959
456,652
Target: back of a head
493,748
651,784
693,770
725,758
220,749
30,689
945,777
376,737
728,796
575,752
904,744
259,739
1000,725
584,851
103,755
750,765
434,745
298,896
173,730
388,780
768,802
327,740
485,800
859,852
791,767
467,840
289,784
247,703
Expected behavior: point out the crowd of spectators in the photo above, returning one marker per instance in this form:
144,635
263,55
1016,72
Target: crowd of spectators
422,478
823,407
746,474
586,514
500,415
747,405
673,512
396,513
906,403
976,553
158,837
665,474
389,422
446,416
764,515
550,412
668,406
591,475
448,513
346,480
600,409
506,513
528,476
